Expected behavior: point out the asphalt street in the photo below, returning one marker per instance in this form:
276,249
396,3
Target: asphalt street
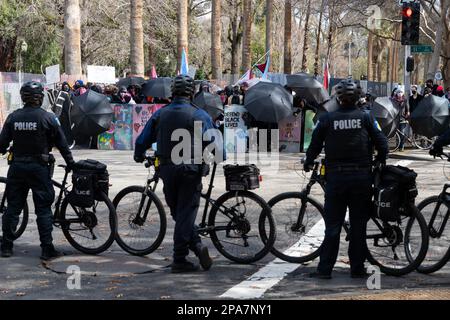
118,275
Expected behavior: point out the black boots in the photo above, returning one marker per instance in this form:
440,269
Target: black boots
202,253
49,252
183,266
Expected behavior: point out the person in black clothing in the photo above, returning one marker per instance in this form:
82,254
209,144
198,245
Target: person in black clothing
349,135
414,99
33,133
438,147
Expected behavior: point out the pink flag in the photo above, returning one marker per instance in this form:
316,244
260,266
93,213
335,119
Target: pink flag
154,74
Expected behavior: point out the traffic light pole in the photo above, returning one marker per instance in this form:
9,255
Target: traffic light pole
407,75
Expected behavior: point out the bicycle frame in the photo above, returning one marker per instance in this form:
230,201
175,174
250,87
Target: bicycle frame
443,199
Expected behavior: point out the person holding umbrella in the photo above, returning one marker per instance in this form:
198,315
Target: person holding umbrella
399,100
349,135
33,132
182,177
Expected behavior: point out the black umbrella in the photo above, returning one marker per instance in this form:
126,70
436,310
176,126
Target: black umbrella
269,102
158,88
431,116
91,114
328,106
386,113
308,88
211,103
130,81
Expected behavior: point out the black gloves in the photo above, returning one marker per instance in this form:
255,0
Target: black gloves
139,159
436,151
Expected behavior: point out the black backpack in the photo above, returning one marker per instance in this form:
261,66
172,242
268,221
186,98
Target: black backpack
90,178
394,193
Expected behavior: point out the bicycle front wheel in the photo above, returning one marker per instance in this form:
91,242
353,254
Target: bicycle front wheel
397,248
141,220
300,227
436,214
23,217
243,229
89,230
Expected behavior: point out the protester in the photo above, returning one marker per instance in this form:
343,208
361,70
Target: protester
439,91
236,97
136,93
447,95
399,101
414,98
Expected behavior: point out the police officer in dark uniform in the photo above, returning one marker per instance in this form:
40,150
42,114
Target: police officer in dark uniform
349,135
33,132
182,179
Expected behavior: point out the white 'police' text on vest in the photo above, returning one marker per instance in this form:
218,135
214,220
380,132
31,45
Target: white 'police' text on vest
25,126
347,124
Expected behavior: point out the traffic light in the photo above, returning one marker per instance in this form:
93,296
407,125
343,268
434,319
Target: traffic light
410,64
410,23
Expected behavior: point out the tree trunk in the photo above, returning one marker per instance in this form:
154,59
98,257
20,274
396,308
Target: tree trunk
434,64
369,56
305,39
287,37
319,29
247,36
216,32
72,38
182,30
137,39
445,8
7,48
269,24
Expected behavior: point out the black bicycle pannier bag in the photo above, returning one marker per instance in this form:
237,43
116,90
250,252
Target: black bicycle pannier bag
395,193
241,177
99,179
82,193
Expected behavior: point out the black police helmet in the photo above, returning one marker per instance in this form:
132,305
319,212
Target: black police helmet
32,93
348,92
183,86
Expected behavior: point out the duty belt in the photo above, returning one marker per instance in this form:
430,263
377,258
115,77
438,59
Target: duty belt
347,168
40,158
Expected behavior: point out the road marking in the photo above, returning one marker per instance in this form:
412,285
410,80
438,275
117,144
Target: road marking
275,271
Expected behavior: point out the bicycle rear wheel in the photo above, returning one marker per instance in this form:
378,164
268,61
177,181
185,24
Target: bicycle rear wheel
23,217
422,142
141,220
300,227
89,230
397,248
243,229
394,142
438,253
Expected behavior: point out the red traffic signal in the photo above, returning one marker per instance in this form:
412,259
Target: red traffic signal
407,12
410,23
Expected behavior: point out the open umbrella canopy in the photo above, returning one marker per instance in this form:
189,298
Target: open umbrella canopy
431,116
91,114
158,88
384,111
268,102
328,106
308,88
130,81
211,103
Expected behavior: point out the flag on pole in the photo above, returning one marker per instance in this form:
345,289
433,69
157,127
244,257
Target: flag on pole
154,75
247,76
184,63
266,68
326,76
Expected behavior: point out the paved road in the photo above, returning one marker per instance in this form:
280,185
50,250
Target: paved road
117,275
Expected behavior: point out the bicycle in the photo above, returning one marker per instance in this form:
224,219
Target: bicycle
239,223
418,141
301,217
23,217
436,211
79,224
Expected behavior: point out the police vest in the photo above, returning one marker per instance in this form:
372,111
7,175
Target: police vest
347,139
31,131
176,122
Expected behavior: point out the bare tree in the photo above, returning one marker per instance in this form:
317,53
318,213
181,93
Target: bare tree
269,24
216,40
305,40
247,36
287,65
136,38
182,31
72,37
